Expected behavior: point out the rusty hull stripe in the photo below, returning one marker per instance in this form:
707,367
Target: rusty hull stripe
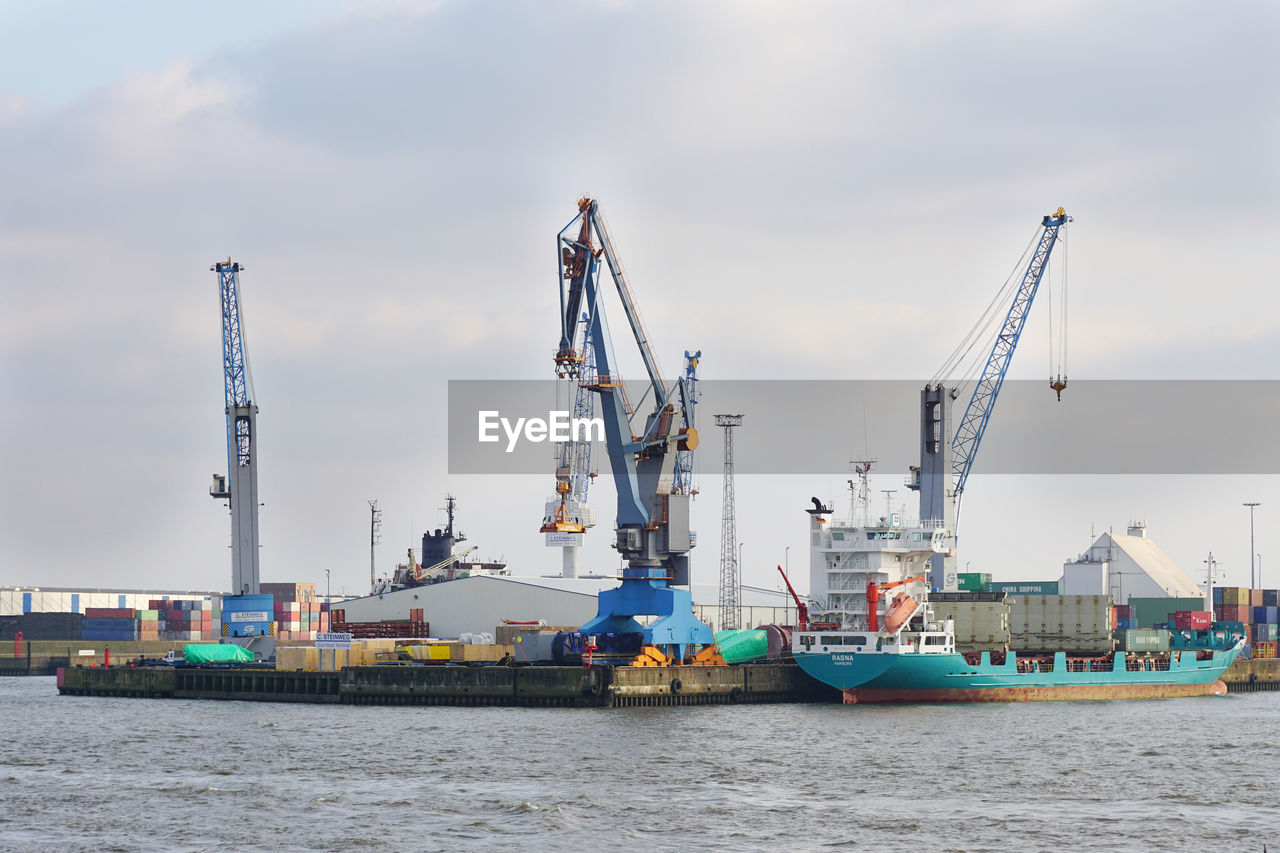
857,696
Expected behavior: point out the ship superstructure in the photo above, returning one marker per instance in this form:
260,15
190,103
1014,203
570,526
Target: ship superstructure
847,557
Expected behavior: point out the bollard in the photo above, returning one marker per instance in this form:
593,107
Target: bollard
17,645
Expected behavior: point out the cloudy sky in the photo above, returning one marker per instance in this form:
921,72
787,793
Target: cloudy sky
803,191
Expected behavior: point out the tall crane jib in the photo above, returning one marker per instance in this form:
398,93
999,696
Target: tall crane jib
240,485
653,535
945,464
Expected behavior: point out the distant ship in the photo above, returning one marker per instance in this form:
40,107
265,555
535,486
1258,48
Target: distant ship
439,562
877,648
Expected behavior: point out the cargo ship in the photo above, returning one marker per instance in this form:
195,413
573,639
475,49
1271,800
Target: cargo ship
880,642
919,663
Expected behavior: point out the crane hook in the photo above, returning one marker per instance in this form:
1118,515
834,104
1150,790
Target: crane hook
1058,385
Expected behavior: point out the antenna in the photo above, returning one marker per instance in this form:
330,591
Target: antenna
888,503
861,492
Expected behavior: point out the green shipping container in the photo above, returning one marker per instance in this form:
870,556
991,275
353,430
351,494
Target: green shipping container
1149,611
1026,587
1143,640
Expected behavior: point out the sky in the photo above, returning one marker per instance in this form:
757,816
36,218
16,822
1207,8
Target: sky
817,191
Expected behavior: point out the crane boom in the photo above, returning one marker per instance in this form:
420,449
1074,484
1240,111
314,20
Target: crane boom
945,463
978,413
240,486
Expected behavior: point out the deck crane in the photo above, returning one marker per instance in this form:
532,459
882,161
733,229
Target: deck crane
945,465
653,536
240,485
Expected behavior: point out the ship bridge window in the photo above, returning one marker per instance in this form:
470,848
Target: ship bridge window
832,641
935,640
839,537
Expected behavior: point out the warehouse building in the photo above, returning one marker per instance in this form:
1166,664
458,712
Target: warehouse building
1127,566
17,600
479,604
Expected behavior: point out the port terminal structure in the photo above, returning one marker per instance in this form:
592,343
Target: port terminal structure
653,535
945,463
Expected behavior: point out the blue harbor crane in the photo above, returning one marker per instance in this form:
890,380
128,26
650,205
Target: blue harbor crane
945,465
653,536
247,614
240,486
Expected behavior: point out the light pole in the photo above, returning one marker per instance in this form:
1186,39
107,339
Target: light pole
738,581
786,603
1253,581
326,584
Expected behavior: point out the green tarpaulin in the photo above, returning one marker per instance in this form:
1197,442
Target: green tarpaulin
216,653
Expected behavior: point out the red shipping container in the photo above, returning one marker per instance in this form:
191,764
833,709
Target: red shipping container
110,613
1192,620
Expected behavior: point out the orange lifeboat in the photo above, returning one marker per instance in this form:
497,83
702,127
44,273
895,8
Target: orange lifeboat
899,612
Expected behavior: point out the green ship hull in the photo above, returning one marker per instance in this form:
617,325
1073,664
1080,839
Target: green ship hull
954,677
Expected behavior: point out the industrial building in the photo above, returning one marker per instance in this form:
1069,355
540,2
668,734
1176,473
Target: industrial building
16,600
1127,566
477,604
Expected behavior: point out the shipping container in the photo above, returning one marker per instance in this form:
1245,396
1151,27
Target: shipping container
1149,611
1194,620
1266,633
1143,640
1235,596
110,612
1026,587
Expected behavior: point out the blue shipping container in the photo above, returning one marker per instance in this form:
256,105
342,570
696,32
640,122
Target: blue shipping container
1271,597
110,624
102,634
1217,595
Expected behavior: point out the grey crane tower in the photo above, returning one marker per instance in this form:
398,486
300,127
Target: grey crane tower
240,485
730,571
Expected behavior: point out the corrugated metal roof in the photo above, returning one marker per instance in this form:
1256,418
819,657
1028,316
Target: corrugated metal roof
704,594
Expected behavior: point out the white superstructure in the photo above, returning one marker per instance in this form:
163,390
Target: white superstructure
864,549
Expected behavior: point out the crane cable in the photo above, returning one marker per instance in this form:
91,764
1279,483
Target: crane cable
988,317
1058,354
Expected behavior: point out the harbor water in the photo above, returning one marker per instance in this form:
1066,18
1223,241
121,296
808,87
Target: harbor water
139,774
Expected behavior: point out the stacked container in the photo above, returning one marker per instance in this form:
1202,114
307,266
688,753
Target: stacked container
299,619
183,619
981,619
1257,609
1061,623
109,623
